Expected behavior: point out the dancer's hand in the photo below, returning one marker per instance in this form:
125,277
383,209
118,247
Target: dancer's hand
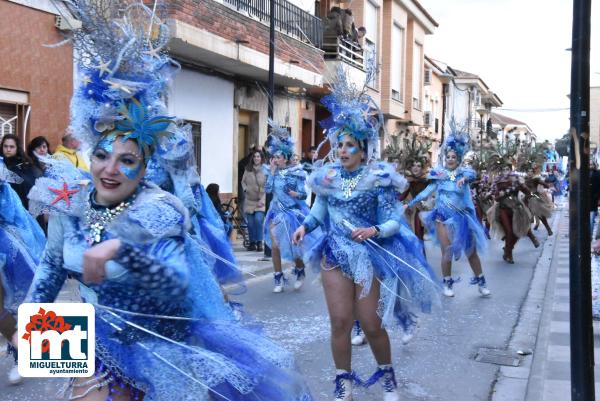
95,258
461,182
293,194
273,166
363,234
298,235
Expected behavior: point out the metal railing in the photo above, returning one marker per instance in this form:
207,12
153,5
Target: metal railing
338,48
289,18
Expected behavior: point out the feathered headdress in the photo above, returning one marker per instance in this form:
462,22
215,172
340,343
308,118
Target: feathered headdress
530,158
353,112
122,73
458,141
405,151
279,141
505,155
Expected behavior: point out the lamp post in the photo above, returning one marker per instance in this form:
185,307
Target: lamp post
481,111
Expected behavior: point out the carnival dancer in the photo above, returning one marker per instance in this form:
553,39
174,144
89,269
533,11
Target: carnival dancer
538,203
510,218
371,263
163,330
21,245
414,163
453,221
288,208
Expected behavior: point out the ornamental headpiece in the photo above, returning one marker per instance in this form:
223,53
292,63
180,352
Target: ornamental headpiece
122,73
353,112
407,150
279,141
505,156
457,141
530,158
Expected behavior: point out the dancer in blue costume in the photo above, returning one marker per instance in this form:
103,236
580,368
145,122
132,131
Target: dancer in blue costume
163,330
371,263
21,245
453,220
288,208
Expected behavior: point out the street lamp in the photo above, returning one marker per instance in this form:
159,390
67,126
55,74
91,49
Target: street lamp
481,111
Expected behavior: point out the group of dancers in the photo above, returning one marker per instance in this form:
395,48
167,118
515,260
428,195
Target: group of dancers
140,235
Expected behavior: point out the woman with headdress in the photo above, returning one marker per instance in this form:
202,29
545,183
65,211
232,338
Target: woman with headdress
540,206
163,330
370,261
288,207
453,221
415,167
509,216
21,245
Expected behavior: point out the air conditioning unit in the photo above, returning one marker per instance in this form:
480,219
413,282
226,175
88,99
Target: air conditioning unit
66,24
427,77
427,118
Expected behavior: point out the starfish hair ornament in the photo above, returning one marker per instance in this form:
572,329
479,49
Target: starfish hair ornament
457,141
123,73
279,141
353,112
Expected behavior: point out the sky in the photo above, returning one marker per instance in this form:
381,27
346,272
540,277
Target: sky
518,48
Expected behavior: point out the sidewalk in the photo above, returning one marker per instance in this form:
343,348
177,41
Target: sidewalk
542,332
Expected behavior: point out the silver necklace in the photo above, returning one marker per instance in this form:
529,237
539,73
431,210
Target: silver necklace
348,184
98,220
452,175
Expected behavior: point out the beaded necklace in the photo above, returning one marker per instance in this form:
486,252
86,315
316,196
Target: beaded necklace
97,220
350,183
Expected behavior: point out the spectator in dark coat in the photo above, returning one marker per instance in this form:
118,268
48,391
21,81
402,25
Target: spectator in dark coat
17,162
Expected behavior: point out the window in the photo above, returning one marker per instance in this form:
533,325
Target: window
427,118
427,76
8,119
372,40
417,72
397,71
197,140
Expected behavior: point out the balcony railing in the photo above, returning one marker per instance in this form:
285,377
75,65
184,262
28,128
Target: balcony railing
289,18
338,48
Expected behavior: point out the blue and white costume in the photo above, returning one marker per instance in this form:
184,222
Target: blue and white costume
162,326
286,212
455,209
367,197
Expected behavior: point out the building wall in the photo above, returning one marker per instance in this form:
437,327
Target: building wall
46,74
393,14
595,115
208,100
227,23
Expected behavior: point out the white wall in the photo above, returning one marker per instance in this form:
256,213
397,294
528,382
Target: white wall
209,100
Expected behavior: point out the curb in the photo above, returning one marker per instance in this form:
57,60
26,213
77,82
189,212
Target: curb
512,383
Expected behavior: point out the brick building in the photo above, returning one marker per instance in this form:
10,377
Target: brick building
36,82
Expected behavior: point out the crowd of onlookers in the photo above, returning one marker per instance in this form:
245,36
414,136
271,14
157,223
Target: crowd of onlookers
340,23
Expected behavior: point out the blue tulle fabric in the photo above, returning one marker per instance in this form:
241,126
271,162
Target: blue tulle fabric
21,244
187,345
455,209
408,284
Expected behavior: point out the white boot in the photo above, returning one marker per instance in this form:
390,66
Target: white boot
13,376
358,336
390,387
448,284
343,385
279,280
300,275
409,332
481,285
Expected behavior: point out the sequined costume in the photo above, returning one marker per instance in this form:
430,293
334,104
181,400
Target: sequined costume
286,212
21,244
158,275
454,208
364,198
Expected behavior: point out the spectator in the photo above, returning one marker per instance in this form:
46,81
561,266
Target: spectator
360,39
253,183
295,160
213,193
347,23
69,150
307,162
17,162
38,146
333,25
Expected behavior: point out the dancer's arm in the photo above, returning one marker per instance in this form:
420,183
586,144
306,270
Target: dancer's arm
424,194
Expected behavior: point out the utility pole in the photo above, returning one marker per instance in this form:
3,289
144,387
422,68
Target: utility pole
271,89
582,336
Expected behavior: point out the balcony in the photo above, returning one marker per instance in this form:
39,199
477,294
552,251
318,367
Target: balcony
289,18
338,48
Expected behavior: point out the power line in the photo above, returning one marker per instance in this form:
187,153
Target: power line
544,110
